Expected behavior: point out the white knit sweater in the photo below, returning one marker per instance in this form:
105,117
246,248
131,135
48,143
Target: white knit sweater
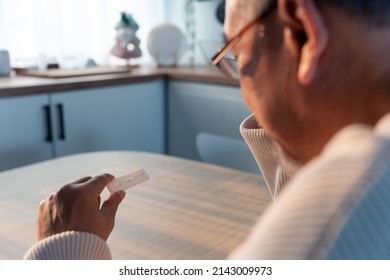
334,207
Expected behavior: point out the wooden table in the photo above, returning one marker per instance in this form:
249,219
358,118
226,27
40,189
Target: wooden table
187,210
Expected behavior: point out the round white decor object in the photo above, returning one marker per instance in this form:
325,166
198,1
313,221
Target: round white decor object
166,44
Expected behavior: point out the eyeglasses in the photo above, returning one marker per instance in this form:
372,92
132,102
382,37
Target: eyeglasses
224,58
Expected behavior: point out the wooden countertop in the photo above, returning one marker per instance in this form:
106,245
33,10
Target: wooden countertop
187,210
23,85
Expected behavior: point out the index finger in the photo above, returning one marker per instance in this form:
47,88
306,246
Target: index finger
97,184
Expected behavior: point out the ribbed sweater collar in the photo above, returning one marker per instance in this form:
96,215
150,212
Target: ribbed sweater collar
260,143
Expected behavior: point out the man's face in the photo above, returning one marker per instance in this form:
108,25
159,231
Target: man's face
267,71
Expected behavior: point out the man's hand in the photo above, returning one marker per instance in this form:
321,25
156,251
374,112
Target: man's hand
76,206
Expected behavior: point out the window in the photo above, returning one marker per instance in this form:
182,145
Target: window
70,31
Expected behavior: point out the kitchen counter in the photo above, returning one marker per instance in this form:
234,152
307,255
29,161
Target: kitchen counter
38,111
23,85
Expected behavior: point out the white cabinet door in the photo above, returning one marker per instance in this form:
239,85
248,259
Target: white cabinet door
24,130
203,124
125,117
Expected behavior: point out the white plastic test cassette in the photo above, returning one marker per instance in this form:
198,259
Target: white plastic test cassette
128,181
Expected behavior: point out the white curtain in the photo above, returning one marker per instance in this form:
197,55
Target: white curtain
71,31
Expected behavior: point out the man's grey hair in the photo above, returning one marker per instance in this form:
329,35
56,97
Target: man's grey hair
250,9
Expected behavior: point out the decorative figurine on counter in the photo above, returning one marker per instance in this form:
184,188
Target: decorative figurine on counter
127,43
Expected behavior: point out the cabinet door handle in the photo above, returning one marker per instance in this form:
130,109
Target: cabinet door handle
61,121
49,135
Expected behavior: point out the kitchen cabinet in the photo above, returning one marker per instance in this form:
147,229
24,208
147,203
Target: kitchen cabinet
24,135
203,124
126,117
43,126
187,119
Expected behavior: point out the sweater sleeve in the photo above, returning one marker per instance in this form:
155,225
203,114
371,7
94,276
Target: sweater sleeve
71,245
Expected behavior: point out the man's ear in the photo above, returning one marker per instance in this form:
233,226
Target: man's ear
305,34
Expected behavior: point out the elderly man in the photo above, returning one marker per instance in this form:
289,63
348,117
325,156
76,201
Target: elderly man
315,75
